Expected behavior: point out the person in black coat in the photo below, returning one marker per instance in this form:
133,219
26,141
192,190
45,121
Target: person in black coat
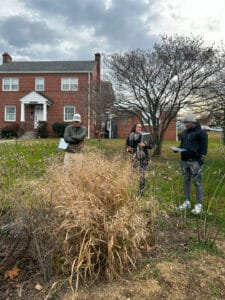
138,147
194,141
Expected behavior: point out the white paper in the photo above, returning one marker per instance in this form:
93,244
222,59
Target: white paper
178,149
62,144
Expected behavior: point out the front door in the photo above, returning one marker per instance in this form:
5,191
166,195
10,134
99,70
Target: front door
38,115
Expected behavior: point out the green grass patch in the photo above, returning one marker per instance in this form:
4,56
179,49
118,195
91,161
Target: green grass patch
108,146
29,158
195,245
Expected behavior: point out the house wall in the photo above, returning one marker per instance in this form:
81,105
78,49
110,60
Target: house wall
55,112
125,123
171,132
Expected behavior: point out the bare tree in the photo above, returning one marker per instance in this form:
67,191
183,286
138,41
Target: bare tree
104,98
155,84
212,100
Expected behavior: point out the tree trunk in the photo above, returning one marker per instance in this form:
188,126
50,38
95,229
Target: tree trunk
157,149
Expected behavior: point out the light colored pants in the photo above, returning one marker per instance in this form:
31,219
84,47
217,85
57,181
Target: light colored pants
70,160
192,170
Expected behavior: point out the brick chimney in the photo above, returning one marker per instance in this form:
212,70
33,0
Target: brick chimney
6,58
98,60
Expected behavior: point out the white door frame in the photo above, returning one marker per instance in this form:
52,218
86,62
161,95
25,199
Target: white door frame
38,114
35,99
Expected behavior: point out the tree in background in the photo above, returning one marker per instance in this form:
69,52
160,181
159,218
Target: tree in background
103,103
154,84
212,100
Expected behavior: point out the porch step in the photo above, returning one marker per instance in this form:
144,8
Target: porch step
28,135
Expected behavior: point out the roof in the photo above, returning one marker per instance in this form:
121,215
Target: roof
37,98
48,67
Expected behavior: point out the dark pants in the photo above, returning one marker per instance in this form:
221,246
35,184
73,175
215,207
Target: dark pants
140,165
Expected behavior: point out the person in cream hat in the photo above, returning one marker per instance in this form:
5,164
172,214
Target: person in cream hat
74,135
77,118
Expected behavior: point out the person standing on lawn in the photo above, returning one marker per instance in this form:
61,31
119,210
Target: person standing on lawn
74,135
138,148
195,142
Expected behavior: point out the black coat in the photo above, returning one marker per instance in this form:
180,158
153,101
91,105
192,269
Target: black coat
134,139
195,141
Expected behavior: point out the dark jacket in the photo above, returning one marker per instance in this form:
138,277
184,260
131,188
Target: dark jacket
134,139
75,137
195,141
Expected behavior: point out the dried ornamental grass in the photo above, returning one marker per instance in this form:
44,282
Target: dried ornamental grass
94,226
101,225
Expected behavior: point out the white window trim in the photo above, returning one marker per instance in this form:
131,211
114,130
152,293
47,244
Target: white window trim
10,84
5,113
64,113
69,79
36,84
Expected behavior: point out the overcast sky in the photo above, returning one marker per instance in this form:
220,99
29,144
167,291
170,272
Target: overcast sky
76,29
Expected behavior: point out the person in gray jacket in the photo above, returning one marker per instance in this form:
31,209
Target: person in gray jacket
194,141
74,135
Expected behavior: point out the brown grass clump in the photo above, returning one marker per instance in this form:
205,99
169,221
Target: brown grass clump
86,222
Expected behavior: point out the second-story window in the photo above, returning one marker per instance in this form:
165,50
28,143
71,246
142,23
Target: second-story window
69,84
10,84
39,84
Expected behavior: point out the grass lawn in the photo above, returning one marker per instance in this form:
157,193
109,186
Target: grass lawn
26,158
29,158
164,180
183,250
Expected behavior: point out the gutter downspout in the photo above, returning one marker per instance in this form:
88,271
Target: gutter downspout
89,105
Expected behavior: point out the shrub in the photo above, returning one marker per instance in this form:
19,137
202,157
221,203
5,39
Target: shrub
10,131
86,223
42,129
58,128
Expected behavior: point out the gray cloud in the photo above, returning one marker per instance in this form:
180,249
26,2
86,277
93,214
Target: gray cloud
120,26
19,31
76,29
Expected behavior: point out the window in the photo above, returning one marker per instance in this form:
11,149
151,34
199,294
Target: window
39,84
69,84
10,113
10,84
124,120
69,112
146,118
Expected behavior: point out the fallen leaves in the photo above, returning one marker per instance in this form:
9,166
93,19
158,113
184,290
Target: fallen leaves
10,274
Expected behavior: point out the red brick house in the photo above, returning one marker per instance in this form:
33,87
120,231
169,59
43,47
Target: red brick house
51,91
124,123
